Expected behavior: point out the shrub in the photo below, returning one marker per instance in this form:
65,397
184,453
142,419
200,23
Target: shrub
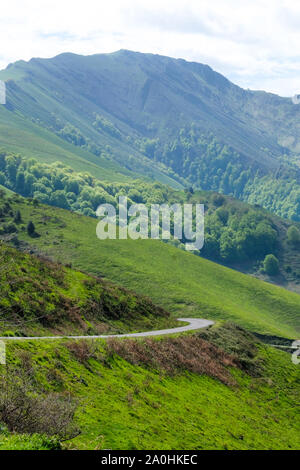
83,350
293,235
218,200
30,228
271,265
23,410
177,355
18,218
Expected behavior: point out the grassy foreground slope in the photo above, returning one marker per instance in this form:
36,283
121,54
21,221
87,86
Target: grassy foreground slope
148,395
184,284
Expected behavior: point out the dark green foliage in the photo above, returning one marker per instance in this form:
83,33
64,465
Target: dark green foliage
61,186
271,265
210,165
30,228
171,120
293,236
235,233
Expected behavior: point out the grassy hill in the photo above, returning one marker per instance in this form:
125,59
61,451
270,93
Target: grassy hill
237,234
225,392
184,284
39,297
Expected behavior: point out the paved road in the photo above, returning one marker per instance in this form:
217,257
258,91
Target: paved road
194,324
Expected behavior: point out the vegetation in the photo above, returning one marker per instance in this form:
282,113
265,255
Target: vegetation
271,265
207,164
39,297
161,125
169,120
126,396
11,441
23,410
236,234
293,235
184,284
60,186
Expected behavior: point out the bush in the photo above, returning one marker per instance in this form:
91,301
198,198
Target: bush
83,350
293,235
271,265
23,410
218,200
18,218
30,228
176,355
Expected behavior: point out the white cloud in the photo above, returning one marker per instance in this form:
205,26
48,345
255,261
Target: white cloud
253,43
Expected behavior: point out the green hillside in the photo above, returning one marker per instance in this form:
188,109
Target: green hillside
30,140
237,235
184,284
225,392
39,297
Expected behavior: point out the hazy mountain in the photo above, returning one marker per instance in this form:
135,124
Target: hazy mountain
169,119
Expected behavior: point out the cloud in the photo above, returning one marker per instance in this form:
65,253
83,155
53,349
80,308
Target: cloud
255,44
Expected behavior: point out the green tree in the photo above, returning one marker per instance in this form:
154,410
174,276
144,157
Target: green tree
30,228
271,265
18,218
293,235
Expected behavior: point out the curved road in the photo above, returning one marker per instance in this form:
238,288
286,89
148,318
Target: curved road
194,324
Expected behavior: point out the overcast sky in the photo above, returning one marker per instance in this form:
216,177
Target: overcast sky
255,43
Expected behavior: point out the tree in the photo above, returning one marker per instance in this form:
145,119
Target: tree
218,200
271,265
293,235
20,182
18,218
58,199
30,228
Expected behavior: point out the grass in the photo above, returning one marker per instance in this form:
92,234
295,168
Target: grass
10,441
39,297
184,284
125,405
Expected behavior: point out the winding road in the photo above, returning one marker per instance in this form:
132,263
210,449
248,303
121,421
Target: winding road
194,324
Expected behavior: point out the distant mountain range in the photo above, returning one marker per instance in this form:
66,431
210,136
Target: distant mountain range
125,114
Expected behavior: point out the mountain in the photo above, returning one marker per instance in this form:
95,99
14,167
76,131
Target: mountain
174,121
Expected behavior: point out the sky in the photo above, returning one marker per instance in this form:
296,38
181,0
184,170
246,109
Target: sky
254,43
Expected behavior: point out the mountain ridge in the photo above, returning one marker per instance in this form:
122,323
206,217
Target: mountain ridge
168,119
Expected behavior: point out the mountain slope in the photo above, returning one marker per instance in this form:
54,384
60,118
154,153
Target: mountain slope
184,284
41,298
226,391
139,90
236,234
171,120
